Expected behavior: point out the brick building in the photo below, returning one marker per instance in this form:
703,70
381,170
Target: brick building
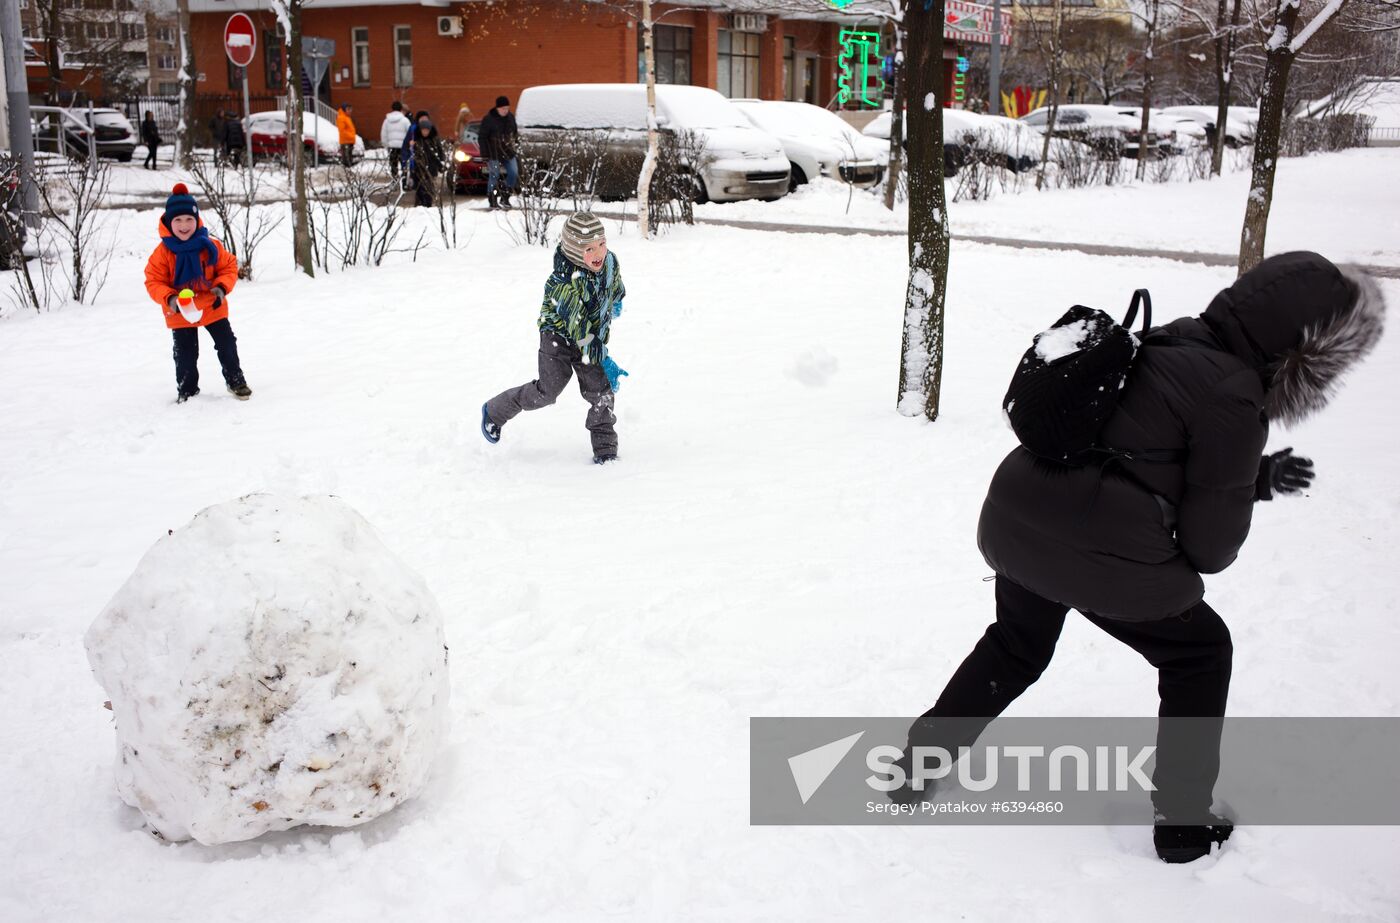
438,55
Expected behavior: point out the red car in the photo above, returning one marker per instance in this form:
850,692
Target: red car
469,169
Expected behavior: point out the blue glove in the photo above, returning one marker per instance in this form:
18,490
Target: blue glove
614,372
617,308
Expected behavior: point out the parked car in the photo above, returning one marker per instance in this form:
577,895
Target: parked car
954,150
469,169
267,131
738,162
1240,121
59,131
69,132
1103,128
1165,127
817,142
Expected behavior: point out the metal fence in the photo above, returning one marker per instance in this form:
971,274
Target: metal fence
166,110
1383,137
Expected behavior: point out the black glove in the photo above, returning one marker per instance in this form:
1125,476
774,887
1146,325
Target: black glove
1283,472
218,297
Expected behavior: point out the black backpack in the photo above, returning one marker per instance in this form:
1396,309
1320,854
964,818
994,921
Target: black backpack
1068,383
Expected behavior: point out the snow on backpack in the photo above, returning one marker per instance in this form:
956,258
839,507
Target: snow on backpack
1067,384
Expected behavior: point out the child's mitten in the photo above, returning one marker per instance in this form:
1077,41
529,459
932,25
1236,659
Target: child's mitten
617,308
614,372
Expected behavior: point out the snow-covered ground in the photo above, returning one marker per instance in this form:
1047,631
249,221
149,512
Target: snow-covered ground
1316,200
776,540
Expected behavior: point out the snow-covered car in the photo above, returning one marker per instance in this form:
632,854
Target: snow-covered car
1103,128
955,151
1240,121
58,130
1163,126
267,131
738,162
817,142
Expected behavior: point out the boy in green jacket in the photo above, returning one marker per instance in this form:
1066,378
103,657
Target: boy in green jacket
581,297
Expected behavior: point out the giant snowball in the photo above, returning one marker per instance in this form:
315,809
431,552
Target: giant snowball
271,664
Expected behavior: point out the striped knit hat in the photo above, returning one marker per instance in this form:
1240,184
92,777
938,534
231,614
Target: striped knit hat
580,230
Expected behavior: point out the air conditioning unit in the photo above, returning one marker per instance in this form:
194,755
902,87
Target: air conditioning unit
450,26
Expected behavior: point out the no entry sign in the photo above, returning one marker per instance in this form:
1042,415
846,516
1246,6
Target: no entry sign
240,41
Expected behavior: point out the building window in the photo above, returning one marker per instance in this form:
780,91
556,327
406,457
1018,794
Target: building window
235,74
403,56
96,30
670,47
165,62
133,31
738,64
165,34
273,61
168,88
359,62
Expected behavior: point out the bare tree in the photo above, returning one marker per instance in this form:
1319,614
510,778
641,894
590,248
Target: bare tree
896,167
289,18
1052,51
1098,53
1150,20
184,129
242,225
921,354
76,223
1284,43
1225,40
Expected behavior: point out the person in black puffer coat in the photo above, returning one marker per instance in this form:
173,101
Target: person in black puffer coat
498,138
1126,543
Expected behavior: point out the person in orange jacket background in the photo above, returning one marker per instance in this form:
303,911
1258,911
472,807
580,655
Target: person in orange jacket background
188,258
346,126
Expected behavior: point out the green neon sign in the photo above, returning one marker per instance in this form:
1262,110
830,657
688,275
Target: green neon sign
859,62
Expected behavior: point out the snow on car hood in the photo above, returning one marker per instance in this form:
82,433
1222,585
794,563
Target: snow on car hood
740,142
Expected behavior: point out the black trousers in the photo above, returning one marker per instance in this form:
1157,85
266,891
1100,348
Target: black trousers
1192,653
395,154
561,360
187,355
150,162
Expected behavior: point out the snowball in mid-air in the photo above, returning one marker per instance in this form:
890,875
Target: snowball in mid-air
271,664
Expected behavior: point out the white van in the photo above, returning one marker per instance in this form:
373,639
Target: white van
740,162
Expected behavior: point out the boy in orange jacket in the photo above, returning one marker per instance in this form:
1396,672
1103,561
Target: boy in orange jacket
188,258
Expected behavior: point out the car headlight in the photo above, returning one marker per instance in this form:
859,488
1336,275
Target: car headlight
461,156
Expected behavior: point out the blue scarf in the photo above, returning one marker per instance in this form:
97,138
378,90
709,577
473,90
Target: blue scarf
188,270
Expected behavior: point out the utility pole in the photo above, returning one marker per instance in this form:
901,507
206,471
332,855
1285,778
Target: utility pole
995,76
17,106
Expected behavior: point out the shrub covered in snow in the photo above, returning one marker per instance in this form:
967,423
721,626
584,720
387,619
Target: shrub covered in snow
271,664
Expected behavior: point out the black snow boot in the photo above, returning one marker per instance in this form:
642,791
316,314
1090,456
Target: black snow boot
505,201
240,390
1187,844
604,459
491,203
183,396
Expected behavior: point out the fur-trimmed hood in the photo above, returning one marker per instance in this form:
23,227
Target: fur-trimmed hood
1302,322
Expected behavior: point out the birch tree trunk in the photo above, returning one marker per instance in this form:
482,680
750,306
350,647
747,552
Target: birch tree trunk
921,356
653,142
184,130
